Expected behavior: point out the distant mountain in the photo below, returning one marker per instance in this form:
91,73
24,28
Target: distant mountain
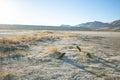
64,25
93,25
27,27
69,27
39,27
89,26
113,26
115,23
97,25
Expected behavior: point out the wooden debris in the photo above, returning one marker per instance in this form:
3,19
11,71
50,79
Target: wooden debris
61,56
78,48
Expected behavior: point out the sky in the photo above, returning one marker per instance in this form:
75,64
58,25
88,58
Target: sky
58,12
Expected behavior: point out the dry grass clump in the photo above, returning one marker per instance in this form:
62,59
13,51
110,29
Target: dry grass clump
13,54
46,31
52,51
8,76
12,44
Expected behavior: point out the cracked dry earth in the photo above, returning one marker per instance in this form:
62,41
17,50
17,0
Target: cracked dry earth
37,65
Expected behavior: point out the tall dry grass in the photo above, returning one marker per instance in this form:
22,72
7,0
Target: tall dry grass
10,45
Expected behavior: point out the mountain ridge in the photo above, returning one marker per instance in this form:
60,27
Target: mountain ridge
97,25
88,26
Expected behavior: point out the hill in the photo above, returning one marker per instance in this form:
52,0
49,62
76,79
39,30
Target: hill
97,25
88,26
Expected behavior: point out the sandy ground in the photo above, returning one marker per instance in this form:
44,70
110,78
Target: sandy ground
7,33
37,65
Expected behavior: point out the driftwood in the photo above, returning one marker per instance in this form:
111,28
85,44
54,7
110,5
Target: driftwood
61,56
78,48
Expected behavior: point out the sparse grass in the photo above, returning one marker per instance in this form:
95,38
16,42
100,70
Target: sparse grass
46,31
8,76
12,54
112,78
54,53
22,42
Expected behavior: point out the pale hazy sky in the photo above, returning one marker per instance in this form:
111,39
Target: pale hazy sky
57,12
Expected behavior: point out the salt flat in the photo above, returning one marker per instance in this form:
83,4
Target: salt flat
7,33
104,47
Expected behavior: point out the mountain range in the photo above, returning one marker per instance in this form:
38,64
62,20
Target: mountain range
88,26
97,25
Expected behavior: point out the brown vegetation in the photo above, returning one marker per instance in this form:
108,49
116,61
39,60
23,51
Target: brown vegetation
9,45
8,76
52,51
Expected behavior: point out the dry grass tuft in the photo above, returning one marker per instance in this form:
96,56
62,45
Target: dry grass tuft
8,76
52,51
46,31
14,54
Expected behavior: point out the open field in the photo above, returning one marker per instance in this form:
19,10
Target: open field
37,55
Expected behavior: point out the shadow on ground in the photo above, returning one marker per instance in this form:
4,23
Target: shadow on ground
104,62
